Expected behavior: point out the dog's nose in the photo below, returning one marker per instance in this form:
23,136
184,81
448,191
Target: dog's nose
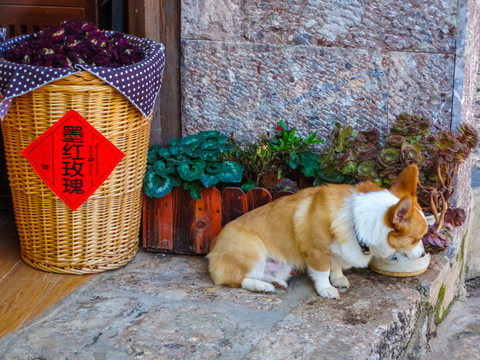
423,254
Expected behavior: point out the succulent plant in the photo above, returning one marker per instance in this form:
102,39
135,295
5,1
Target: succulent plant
349,156
410,140
411,127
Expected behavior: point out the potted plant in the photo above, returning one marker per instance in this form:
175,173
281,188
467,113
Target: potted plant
72,74
193,188
353,156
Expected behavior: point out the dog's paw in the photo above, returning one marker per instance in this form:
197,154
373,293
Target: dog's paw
280,284
329,293
257,286
340,281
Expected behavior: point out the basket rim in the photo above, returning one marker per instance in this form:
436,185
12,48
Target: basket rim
19,79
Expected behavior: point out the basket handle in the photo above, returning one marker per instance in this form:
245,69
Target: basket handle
3,34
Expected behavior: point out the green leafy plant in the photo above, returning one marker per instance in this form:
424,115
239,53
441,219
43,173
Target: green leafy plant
275,157
194,161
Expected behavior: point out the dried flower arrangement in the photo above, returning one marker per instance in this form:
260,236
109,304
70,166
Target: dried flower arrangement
74,42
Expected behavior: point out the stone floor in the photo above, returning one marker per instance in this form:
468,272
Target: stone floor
166,307
458,337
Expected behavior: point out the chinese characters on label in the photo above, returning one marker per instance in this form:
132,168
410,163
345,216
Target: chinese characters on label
73,158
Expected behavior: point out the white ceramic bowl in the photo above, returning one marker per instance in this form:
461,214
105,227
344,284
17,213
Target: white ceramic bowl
400,266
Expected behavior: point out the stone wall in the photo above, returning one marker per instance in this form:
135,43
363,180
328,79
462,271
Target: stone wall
249,63
473,255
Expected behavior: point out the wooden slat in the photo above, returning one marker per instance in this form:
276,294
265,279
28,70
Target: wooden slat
136,17
64,3
160,20
235,204
19,299
9,247
257,197
208,219
170,93
38,16
91,11
183,221
157,221
66,285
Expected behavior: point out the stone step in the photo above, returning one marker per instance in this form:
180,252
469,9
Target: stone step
166,307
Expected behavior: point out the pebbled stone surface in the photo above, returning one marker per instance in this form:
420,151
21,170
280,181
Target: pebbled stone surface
248,88
211,20
160,307
458,336
421,83
331,330
392,25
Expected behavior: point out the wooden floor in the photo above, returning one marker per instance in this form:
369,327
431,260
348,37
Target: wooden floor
25,291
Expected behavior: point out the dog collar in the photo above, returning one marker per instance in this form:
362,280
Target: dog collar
363,246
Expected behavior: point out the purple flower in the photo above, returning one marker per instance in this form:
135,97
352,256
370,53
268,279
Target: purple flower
74,42
100,60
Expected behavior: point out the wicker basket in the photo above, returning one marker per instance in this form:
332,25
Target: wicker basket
103,233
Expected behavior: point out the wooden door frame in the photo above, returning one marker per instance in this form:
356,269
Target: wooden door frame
159,20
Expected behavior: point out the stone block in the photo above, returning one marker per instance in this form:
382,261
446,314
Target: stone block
248,88
316,329
217,20
421,84
392,25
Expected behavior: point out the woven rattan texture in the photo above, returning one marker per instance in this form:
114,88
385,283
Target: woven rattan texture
102,234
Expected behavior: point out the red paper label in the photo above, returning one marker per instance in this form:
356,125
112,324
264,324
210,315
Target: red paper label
73,158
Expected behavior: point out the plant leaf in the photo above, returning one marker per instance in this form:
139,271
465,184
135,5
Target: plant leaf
174,142
230,172
209,155
209,180
160,168
163,152
249,185
191,140
152,154
195,190
191,171
156,186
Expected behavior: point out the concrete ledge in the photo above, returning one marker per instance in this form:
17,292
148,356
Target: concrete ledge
165,307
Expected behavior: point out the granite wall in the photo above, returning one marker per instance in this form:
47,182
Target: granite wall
249,63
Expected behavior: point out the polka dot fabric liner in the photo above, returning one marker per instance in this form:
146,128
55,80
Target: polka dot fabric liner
140,82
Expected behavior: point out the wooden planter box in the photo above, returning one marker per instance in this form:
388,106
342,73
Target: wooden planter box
178,224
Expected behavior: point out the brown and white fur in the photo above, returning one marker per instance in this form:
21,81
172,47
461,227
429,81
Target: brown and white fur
316,230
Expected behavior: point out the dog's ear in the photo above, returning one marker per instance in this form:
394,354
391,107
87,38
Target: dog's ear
406,182
402,212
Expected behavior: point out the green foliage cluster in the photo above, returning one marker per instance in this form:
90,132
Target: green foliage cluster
275,157
194,161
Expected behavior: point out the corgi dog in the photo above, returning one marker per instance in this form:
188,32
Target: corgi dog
322,230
